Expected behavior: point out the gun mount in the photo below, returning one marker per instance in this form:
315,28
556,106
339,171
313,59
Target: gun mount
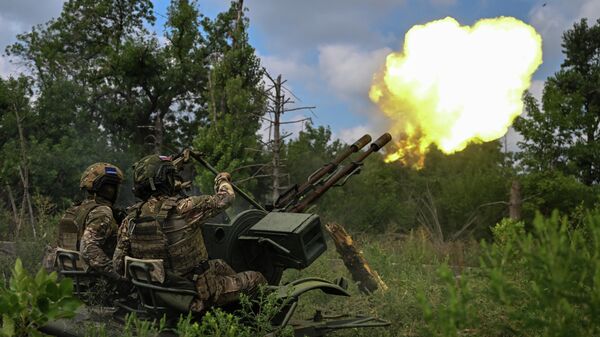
271,242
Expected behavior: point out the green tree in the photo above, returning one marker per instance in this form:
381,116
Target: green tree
564,133
236,100
467,190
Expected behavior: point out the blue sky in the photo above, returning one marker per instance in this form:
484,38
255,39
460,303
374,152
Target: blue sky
328,50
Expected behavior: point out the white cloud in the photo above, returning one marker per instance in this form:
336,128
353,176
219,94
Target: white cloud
350,135
290,69
18,16
510,140
293,26
349,69
537,89
552,18
6,68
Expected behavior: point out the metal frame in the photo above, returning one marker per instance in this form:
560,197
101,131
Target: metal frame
75,273
141,278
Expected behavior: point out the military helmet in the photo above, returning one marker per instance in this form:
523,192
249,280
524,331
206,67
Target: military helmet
98,174
153,174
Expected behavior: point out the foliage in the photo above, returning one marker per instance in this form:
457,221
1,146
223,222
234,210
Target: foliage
214,323
457,311
30,302
236,100
252,319
507,230
550,190
466,189
564,133
142,328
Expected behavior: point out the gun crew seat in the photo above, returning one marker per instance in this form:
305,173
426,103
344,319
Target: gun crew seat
156,297
71,264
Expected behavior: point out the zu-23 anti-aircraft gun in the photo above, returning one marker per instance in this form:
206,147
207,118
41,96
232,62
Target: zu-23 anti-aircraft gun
268,239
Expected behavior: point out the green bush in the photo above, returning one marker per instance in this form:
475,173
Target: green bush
553,289
542,283
30,302
455,313
253,319
507,230
215,323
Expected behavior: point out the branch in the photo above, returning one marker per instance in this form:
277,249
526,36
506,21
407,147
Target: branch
297,121
300,108
253,177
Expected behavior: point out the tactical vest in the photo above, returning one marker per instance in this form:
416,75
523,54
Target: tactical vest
167,236
72,224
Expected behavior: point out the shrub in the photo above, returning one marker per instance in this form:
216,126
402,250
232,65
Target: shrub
253,319
543,283
30,302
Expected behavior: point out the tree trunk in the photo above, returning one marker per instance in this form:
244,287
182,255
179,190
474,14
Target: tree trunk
158,133
13,205
516,202
277,139
24,172
213,103
368,280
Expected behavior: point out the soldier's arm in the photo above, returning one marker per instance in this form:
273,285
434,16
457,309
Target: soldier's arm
123,248
100,226
198,208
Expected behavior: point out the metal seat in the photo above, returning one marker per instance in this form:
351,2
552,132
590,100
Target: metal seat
71,264
151,291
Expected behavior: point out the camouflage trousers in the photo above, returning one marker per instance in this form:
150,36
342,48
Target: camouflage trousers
220,285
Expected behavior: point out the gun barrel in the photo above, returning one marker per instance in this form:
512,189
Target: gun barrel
287,196
337,176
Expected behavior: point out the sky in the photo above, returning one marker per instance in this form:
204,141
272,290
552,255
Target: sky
328,50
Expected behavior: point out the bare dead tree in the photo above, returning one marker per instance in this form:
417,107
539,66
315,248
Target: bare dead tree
24,174
13,205
277,107
516,201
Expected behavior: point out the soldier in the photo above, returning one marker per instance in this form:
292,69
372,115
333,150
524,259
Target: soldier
167,226
90,227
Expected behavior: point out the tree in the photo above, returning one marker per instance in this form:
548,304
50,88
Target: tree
564,133
236,100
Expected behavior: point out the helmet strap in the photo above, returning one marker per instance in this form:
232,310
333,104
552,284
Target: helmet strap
152,186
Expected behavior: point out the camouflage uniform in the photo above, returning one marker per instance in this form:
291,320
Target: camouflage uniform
216,283
90,227
99,238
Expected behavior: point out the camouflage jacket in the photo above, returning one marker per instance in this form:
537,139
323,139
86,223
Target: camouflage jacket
195,209
99,238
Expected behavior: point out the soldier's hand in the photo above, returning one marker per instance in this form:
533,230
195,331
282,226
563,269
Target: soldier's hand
223,176
220,179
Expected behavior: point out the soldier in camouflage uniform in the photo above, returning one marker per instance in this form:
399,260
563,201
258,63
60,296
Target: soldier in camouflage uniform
167,226
90,227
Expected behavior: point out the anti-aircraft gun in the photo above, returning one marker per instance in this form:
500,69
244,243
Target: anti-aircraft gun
270,240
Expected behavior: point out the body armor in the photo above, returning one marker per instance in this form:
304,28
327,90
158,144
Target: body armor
72,224
167,236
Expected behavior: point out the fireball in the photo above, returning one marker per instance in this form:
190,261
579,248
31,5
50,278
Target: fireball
453,85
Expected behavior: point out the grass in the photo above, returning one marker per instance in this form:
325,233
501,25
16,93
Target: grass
408,265
542,282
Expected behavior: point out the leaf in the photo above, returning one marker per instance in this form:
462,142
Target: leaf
8,326
43,304
66,287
